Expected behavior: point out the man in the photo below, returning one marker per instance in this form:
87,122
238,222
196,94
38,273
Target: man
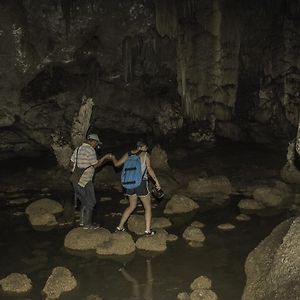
85,158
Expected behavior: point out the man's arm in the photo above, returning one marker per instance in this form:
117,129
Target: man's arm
102,159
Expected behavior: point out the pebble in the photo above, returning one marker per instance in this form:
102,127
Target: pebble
226,227
105,199
198,224
243,217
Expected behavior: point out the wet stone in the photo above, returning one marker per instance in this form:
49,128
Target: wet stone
203,294
198,224
124,201
19,201
201,282
194,244
250,206
193,234
180,204
105,199
60,281
226,227
183,296
172,238
243,217
155,243
16,283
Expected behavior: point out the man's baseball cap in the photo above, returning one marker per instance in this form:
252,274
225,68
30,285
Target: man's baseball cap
95,137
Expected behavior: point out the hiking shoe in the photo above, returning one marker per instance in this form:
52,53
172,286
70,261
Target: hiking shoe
149,233
119,229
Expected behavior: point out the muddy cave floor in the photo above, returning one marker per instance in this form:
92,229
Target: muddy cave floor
222,257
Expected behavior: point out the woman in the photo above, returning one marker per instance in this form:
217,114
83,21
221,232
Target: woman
142,191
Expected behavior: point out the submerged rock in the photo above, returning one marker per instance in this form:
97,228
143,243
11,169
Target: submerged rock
136,223
290,174
210,185
180,204
16,283
243,217
120,243
60,281
226,227
155,243
273,267
82,239
193,234
250,206
172,237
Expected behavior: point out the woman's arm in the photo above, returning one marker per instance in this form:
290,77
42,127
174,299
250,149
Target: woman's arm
151,173
120,162
108,156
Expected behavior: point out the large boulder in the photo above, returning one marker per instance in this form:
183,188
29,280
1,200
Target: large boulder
120,243
271,197
273,267
136,223
44,205
159,158
180,204
16,283
194,234
201,282
42,219
155,243
206,186
81,239
60,281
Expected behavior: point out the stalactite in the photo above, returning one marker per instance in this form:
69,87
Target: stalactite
166,17
67,9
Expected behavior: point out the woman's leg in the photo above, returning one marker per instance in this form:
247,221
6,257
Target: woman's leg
146,200
128,210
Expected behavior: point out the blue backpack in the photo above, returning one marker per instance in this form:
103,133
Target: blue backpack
131,175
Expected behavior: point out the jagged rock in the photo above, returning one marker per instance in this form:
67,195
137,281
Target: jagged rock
136,223
269,197
203,295
159,158
201,282
60,281
183,296
44,205
198,224
250,206
81,239
210,185
226,227
16,283
180,204
156,243
273,267
42,219
243,217
120,243
193,234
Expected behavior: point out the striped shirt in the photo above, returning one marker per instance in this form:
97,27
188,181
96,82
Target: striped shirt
86,157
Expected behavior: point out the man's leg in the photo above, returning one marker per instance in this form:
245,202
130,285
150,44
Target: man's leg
90,203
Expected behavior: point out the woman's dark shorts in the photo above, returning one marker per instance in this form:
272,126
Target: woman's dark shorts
141,191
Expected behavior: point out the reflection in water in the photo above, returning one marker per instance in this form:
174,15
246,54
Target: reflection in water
136,286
